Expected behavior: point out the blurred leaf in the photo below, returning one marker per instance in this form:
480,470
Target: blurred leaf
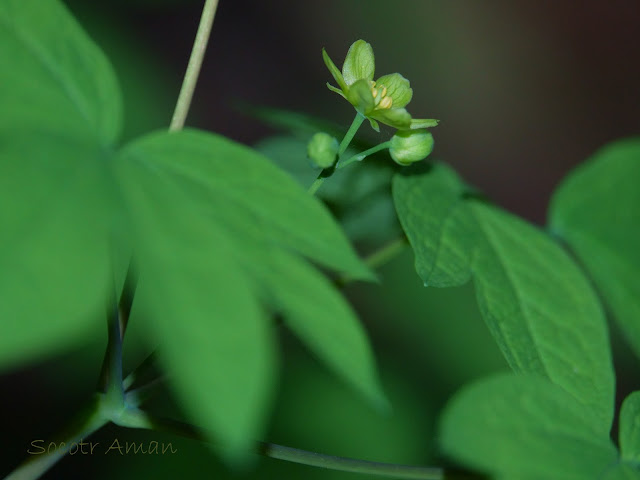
422,327
359,196
622,471
54,250
316,411
60,113
630,428
208,215
55,76
596,210
318,314
524,427
539,307
299,124
290,154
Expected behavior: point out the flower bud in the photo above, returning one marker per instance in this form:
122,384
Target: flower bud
322,149
409,146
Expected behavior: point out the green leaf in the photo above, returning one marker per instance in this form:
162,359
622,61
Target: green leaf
537,304
60,112
214,339
316,312
209,216
621,471
596,211
524,427
630,428
54,243
54,77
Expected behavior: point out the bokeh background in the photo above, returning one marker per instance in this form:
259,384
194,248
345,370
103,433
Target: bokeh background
524,90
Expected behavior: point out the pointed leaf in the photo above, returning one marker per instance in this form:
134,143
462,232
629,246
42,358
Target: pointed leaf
246,183
55,76
60,108
596,211
208,215
193,295
318,314
536,302
54,243
524,427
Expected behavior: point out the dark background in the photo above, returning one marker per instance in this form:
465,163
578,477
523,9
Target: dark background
524,91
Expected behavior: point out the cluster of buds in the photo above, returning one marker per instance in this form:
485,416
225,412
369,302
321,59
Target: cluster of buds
379,101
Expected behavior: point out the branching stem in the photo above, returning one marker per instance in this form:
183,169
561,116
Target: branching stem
344,144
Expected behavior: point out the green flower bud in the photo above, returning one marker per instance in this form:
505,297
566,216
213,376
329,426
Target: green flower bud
322,149
410,146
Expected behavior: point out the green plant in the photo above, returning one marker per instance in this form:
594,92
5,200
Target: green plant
204,242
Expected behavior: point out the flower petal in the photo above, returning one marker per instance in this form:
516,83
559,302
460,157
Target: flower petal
374,124
394,117
360,96
359,63
397,88
334,71
423,123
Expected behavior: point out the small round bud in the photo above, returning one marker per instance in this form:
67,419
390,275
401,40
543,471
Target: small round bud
322,149
410,146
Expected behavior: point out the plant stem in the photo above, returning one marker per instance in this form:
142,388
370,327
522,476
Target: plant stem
305,457
111,374
378,258
386,253
362,155
193,68
327,172
344,464
90,420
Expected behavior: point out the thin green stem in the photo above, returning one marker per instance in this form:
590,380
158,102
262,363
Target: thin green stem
348,137
89,421
147,366
353,129
386,253
193,68
305,457
383,255
362,155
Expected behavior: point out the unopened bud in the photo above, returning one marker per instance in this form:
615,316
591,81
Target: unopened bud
410,146
322,149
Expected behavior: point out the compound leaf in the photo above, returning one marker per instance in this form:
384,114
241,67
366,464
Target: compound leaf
536,302
209,217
